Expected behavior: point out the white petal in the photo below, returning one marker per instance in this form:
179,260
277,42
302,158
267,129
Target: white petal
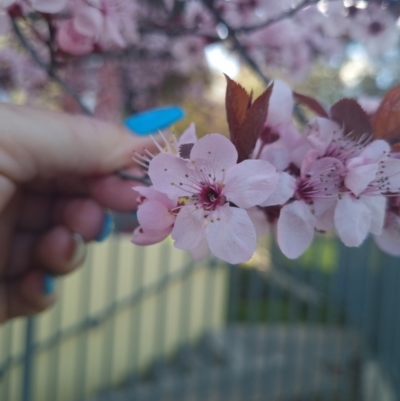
278,157
215,154
49,6
295,229
250,183
153,215
352,220
231,235
201,251
280,108
359,177
283,192
189,227
324,210
188,136
389,240
88,21
259,220
377,208
375,150
168,174
142,237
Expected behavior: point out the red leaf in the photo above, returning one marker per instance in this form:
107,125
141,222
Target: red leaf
386,120
237,102
352,118
252,125
311,103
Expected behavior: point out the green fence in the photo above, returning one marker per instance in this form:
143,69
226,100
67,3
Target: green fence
151,324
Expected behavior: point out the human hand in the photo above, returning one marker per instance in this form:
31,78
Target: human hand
56,182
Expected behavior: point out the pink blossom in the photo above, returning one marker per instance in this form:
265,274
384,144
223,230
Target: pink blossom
389,239
214,192
156,215
375,27
72,41
280,135
316,194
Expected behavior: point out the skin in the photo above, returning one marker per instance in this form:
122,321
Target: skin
57,177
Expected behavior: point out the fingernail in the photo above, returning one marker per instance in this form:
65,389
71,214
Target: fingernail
153,120
49,284
107,227
79,250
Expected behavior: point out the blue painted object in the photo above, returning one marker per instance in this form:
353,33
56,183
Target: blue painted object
49,284
107,228
151,121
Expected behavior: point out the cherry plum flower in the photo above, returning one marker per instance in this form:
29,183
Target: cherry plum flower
370,176
156,215
279,135
213,193
315,195
389,239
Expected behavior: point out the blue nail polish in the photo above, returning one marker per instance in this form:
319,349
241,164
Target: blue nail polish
49,284
107,228
151,121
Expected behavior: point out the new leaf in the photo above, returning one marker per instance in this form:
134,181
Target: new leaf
245,118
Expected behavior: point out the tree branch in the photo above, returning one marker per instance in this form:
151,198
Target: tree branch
288,14
48,68
244,54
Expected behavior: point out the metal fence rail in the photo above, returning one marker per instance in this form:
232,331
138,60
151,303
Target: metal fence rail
150,324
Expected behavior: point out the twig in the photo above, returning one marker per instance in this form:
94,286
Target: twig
126,176
244,54
287,14
25,43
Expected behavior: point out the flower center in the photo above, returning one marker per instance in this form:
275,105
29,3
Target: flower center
210,196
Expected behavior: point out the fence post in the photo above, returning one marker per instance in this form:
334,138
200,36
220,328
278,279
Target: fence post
28,360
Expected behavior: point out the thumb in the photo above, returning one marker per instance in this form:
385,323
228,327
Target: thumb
36,143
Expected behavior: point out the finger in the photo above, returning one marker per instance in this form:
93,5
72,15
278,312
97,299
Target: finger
114,193
44,144
65,185
20,256
7,190
35,212
7,226
24,295
80,215
59,251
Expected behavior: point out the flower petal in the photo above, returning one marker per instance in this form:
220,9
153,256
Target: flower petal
154,216
280,108
142,237
231,235
215,153
49,6
171,175
359,177
189,227
250,182
283,192
201,251
352,220
259,220
389,240
377,208
295,229
188,136
88,21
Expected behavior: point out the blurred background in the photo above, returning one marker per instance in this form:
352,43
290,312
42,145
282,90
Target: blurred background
149,323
